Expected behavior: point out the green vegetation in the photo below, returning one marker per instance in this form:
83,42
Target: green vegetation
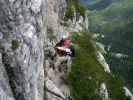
116,22
116,16
72,6
87,74
15,44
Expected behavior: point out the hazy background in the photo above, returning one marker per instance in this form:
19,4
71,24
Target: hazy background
114,20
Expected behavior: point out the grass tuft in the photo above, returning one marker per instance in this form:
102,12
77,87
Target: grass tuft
15,44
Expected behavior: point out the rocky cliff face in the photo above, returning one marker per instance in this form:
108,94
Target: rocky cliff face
29,68
55,15
22,33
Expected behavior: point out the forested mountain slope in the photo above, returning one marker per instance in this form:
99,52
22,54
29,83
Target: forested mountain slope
115,22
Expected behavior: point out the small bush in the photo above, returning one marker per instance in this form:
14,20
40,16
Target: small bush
15,44
69,14
72,7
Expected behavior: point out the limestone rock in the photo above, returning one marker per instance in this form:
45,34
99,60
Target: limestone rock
23,29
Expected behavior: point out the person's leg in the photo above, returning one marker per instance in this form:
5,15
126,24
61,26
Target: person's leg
68,57
59,61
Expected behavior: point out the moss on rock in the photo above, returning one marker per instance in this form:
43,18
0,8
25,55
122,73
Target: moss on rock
15,44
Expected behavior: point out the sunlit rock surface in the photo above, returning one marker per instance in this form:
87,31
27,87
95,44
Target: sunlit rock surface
104,92
128,93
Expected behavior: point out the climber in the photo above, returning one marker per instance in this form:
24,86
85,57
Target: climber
63,51
64,42
63,47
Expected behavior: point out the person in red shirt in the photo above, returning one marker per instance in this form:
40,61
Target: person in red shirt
62,46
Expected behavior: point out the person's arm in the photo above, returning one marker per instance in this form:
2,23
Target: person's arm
59,43
75,42
60,48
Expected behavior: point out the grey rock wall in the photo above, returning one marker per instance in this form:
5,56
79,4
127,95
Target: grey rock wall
22,32
5,90
56,9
